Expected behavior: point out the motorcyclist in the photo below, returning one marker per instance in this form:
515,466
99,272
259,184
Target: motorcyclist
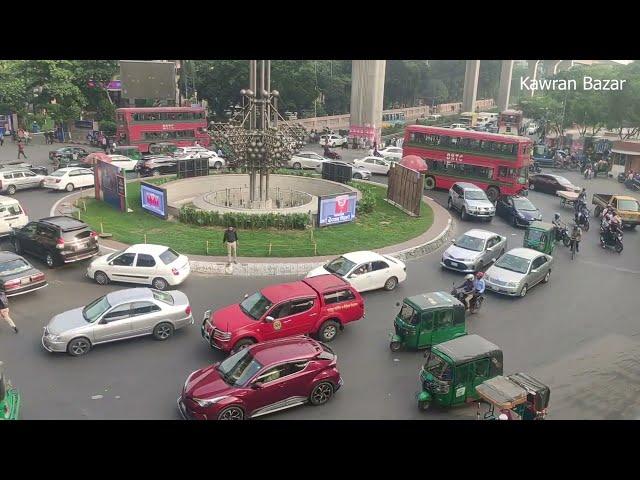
478,284
468,288
607,214
557,223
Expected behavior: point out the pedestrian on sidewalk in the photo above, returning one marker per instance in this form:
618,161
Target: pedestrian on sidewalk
2,139
21,150
231,240
4,310
104,144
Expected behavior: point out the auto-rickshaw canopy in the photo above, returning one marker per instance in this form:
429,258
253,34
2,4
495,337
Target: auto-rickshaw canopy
428,301
502,392
540,236
469,347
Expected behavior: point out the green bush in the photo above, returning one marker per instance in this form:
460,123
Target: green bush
293,221
299,173
368,201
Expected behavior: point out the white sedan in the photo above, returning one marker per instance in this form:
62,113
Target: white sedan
390,152
365,270
332,140
306,160
148,264
121,161
69,179
375,164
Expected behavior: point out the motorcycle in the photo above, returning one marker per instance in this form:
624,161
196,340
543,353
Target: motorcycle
582,217
474,304
562,233
534,168
332,155
609,240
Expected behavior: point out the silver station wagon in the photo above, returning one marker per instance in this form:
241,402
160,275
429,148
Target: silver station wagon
128,313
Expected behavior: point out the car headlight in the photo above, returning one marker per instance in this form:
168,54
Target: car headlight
512,284
207,402
53,338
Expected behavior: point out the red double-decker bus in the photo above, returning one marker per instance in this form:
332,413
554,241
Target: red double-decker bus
182,126
499,164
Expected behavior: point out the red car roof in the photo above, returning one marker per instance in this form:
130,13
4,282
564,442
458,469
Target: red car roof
283,291
284,349
322,283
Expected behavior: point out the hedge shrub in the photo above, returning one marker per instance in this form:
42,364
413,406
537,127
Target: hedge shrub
368,201
292,221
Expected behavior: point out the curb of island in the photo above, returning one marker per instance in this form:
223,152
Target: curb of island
277,267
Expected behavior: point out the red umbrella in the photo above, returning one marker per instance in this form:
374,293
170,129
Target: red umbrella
414,162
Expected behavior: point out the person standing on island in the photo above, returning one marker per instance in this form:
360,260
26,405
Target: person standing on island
231,240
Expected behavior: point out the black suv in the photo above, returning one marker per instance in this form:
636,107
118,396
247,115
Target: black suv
56,240
157,165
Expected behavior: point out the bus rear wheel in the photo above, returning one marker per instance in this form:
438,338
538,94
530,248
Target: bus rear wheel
493,193
429,183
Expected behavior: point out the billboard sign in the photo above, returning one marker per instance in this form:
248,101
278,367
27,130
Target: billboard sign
154,200
110,186
337,209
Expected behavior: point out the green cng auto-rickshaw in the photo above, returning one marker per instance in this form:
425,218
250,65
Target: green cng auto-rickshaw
455,368
9,398
540,236
517,397
427,319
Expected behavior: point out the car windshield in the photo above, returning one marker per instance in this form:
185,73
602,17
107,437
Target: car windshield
470,243
239,368
475,195
114,255
95,309
14,266
524,204
340,266
513,263
628,205
437,367
255,305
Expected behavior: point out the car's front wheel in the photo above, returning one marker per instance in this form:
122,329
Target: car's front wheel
297,166
524,291
242,344
321,393
463,214
17,246
217,165
231,413
78,347
11,189
50,260
546,277
101,278
357,176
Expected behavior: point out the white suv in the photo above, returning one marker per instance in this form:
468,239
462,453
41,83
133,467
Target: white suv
471,201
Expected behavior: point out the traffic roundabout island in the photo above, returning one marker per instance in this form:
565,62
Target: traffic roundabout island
270,242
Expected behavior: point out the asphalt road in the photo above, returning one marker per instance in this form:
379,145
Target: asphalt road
587,299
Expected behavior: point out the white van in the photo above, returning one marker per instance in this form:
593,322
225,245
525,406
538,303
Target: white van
493,117
12,215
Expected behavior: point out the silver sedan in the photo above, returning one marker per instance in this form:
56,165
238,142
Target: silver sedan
128,313
473,251
517,271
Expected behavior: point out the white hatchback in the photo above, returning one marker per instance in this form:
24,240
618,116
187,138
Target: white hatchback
154,265
365,270
69,179
394,153
377,165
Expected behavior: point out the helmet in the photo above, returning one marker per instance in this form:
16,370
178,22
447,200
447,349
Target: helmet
503,416
469,277
556,216
480,274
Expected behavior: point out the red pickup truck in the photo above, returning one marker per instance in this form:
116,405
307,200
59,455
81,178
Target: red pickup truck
319,305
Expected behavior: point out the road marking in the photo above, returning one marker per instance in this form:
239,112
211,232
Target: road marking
618,269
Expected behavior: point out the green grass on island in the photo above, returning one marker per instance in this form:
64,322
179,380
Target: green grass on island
385,226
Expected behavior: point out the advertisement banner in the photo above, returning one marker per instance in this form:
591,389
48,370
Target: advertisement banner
154,200
110,186
337,209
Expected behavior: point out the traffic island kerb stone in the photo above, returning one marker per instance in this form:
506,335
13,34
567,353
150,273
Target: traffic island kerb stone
431,240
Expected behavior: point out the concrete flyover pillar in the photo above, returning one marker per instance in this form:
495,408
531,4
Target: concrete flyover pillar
505,85
532,72
367,93
470,85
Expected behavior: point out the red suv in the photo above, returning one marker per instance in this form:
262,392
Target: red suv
261,379
319,305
